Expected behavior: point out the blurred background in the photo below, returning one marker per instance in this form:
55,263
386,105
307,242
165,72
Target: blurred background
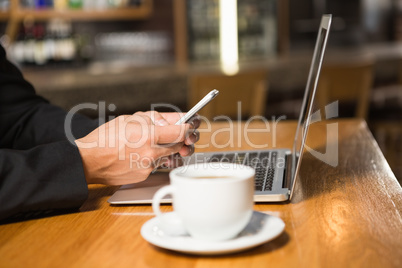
133,53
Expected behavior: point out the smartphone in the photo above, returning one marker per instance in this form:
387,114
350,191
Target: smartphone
210,96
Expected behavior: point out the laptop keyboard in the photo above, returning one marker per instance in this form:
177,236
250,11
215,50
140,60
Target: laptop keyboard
264,164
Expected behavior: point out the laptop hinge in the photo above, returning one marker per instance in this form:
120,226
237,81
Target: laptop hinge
288,171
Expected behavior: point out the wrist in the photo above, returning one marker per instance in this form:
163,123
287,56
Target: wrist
86,159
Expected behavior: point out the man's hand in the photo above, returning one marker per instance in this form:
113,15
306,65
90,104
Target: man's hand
127,149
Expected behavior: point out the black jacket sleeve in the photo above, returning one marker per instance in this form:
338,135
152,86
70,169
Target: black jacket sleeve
40,169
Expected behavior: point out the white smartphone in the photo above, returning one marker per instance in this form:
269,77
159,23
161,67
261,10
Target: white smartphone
210,96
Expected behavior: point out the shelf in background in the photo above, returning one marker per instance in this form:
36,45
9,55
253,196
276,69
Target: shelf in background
18,13
141,12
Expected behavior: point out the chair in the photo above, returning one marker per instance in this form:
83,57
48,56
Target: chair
347,82
249,88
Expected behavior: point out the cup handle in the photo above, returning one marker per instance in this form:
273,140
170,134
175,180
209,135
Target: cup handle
172,224
161,193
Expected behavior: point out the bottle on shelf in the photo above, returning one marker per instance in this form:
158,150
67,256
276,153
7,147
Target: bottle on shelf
75,4
29,42
28,3
60,4
40,45
40,49
64,47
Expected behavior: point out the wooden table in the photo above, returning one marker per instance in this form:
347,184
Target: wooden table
344,216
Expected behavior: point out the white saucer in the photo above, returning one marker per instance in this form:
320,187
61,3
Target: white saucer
261,229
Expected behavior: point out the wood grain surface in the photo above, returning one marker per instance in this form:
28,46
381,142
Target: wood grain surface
343,216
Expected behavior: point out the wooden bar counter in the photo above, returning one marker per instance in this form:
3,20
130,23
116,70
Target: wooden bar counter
343,216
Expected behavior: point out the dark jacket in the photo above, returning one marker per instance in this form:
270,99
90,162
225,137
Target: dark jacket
40,170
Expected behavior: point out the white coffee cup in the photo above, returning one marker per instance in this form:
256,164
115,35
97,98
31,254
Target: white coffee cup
213,201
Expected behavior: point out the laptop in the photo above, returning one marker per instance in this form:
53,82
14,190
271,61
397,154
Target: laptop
273,182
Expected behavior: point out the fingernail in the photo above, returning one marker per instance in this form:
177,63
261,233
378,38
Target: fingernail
195,137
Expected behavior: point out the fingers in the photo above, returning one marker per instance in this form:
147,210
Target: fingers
187,150
161,119
195,121
168,149
176,159
157,118
164,119
192,137
172,118
183,149
172,161
159,134
169,139
172,133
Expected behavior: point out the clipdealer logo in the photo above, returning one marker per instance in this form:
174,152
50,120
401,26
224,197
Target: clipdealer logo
331,155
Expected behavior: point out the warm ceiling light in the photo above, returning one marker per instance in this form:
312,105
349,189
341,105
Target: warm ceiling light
229,54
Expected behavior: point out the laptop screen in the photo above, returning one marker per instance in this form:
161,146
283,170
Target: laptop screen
307,105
